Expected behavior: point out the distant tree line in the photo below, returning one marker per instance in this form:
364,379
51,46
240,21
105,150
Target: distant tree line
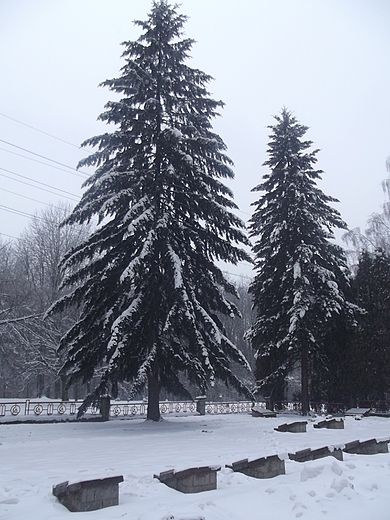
29,284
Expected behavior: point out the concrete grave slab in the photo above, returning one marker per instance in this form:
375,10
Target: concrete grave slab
319,453
89,495
362,412
260,412
265,467
369,447
295,427
191,480
332,424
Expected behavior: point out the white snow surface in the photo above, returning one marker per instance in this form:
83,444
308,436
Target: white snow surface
34,457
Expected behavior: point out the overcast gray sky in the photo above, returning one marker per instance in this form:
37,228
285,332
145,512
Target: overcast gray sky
325,60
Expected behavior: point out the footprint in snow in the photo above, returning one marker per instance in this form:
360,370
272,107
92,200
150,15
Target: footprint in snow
210,503
300,506
311,473
336,468
339,484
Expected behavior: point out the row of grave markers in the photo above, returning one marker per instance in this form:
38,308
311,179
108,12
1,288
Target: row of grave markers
96,494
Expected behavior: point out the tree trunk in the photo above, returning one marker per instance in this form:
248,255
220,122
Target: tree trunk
114,390
305,383
64,389
105,402
153,398
154,386
154,394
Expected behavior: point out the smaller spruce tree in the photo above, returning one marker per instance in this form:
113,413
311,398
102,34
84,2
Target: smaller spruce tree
300,273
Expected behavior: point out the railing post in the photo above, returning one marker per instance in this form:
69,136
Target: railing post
105,402
201,405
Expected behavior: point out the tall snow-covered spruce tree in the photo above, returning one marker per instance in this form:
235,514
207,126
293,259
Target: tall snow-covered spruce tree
301,276
146,280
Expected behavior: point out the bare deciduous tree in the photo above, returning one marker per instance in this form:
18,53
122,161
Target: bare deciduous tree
29,283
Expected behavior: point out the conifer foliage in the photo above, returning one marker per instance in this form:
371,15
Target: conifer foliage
360,361
367,369
146,279
301,276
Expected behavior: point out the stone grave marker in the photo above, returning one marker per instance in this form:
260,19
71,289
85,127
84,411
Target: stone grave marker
332,424
319,453
369,447
295,427
89,495
191,480
260,412
265,467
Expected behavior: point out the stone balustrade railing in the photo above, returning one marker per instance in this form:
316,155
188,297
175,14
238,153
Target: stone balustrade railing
56,409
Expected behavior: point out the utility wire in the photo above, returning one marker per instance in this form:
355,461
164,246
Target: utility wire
83,174
38,182
35,160
9,236
237,274
19,212
41,131
24,196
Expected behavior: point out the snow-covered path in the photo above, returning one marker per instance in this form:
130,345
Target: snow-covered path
34,457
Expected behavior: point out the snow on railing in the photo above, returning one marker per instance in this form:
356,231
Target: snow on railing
46,409
57,409
27,407
231,407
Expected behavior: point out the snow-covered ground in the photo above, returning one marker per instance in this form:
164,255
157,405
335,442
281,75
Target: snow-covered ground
34,457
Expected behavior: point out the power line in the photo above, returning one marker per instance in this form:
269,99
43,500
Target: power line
38,182
24,196
42,132
238,274
35,160
18,212
9,236
236,209
83,174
